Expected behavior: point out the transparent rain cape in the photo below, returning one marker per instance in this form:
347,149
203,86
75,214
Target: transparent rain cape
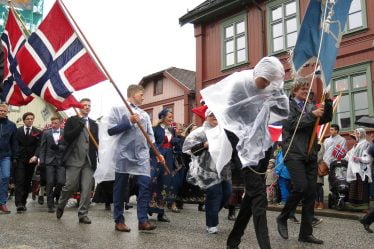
245,110
202,171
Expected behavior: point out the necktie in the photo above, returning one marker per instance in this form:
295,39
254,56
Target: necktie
301,105
27,131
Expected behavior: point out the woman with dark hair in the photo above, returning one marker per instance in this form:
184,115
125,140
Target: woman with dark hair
163,189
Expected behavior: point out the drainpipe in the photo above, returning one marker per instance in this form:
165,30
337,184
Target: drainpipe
263,44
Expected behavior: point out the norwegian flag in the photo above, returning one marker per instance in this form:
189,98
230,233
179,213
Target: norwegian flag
54,63
338,152
275,131
14,90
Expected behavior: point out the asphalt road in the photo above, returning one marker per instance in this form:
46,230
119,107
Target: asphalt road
38,229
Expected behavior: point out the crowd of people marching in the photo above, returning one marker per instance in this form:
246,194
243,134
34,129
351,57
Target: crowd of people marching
228,161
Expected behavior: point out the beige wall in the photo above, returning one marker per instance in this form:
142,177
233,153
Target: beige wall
178,111
170,90
43,112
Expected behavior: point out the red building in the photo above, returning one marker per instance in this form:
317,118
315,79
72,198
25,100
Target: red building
172,88
233,35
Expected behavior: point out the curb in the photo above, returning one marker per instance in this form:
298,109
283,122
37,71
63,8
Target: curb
324,212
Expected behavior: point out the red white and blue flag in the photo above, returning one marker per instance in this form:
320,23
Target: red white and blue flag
338,152
54,62
275,131
14,90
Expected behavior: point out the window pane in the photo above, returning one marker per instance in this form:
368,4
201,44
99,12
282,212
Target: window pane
355,20
276,13
344,119
341,85
359,81
229,59
229,46
344,104
291,25
361,100
240,28
291,39
229,31
359,114
240,55
240,43
291,8
278,44
355,6
277,30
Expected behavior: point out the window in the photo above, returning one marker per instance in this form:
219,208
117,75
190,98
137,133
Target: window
355,85
158,87
356,16
170,107
234,42
150,113
283,22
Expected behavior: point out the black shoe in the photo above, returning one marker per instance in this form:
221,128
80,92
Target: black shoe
59,212
201,208
85,220
316,221
21,209
282,228
366,226
310,239
294,219
41,200
163,218
51,210
232,247
107,207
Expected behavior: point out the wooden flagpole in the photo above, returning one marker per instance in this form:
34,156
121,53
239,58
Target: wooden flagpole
105,71
29,33
337,101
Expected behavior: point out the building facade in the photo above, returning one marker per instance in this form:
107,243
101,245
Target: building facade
172,88
31,12
233,35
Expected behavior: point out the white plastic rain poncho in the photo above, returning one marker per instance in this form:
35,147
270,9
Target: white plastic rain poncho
359,159
127,152
245,110
330,144
202,171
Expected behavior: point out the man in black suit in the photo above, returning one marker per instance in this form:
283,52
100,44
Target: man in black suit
28,138
80,160
51,151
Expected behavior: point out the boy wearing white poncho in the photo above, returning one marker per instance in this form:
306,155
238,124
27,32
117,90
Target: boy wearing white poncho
244,104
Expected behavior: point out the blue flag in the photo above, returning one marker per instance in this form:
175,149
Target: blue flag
309,38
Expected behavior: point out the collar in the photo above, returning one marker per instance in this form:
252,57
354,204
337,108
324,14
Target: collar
298,100
25,127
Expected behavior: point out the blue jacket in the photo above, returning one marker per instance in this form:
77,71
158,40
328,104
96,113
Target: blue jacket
8,142
280,168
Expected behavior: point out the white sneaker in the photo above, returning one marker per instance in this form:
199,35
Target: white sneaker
212,230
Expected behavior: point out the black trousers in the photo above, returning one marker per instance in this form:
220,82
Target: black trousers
254,203
55,177
304,179
23,176
368,218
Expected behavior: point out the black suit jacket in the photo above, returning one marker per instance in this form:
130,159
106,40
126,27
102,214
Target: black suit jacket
49,150
73,127
28,146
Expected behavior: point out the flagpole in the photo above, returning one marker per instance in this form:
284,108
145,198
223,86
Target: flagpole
29,33
88,131
105,71
333,111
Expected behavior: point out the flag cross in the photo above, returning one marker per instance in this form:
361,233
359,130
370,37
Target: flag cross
53,63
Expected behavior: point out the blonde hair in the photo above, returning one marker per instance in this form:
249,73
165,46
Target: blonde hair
132,89
4,105
297,84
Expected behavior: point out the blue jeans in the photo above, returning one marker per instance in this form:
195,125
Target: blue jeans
4,179
121,182
216,197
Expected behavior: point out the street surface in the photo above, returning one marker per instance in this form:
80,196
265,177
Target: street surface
38,229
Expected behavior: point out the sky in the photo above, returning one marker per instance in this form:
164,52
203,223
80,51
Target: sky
133,39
